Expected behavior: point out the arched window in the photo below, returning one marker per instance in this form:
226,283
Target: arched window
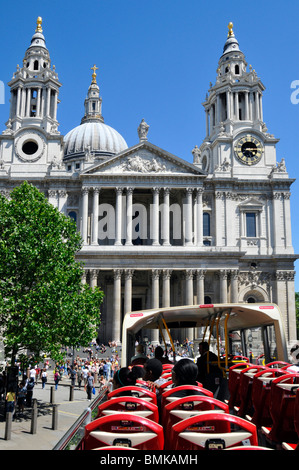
237,70
35,65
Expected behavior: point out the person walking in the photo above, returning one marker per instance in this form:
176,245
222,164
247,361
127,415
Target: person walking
44,377
79,377
10,402
89,385
56,378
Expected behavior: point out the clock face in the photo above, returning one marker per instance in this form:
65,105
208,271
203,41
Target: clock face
249,150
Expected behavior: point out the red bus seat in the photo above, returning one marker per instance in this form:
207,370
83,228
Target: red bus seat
288,445
184,408
278,364
282,410
245,390
212,430
125,430
186,390
133,405
261,388
134,391
233,383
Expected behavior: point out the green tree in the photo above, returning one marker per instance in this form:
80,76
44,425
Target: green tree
43,303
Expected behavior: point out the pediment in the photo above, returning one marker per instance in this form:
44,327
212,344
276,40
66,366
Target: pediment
144,159
251,203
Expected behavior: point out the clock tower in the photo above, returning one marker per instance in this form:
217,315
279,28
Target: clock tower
31,143
237,143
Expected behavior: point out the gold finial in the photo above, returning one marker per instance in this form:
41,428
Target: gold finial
39,25
230,29
94,75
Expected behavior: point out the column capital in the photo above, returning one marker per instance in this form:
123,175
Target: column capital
156,274
119,190
85,190
130,190
93,273
189,273
117,274
96,189
129,273
166,274
201,273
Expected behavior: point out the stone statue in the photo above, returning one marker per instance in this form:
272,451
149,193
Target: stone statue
143,130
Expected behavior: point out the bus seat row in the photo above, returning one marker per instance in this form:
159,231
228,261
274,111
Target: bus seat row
194,422
266,396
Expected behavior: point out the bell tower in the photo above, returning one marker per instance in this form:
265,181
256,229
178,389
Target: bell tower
31,135
237,142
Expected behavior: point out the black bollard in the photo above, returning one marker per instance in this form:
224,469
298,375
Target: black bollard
8,421
55,417
71,392
34,416
52,395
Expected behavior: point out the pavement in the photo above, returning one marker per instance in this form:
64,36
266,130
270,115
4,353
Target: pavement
69,406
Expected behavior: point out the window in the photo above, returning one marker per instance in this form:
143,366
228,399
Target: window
237,70
206,224
250,224
35,65
73,215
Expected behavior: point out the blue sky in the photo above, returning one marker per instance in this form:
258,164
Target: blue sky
156,60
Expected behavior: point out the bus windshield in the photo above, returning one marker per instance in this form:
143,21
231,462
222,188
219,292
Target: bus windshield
251,330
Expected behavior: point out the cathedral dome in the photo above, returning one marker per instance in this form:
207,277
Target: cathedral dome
97,137
93,138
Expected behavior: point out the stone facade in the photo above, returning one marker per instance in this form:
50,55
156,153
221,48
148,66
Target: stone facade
158,230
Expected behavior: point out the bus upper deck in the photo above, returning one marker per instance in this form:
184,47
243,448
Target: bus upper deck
222,319
262,411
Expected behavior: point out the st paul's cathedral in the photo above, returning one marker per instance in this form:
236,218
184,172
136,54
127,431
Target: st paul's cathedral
158,230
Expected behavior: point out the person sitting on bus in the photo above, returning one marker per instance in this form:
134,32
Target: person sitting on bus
159,354
124,377
140,357
184,372
153,371
294,368
209,374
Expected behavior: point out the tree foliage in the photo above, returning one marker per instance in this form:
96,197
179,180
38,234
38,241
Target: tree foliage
43,303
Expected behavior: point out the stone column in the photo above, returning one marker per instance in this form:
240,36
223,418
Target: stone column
155,299
165,219
189,299
62,198
228,104
257,105
200,277
84,276
199,221
38,104
84,214
155,217
94,277
128,290
188,219
28,100
246,105
166,288
95,213
236,106
223,286
129,215
118,216
48,102
116,321
234,285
